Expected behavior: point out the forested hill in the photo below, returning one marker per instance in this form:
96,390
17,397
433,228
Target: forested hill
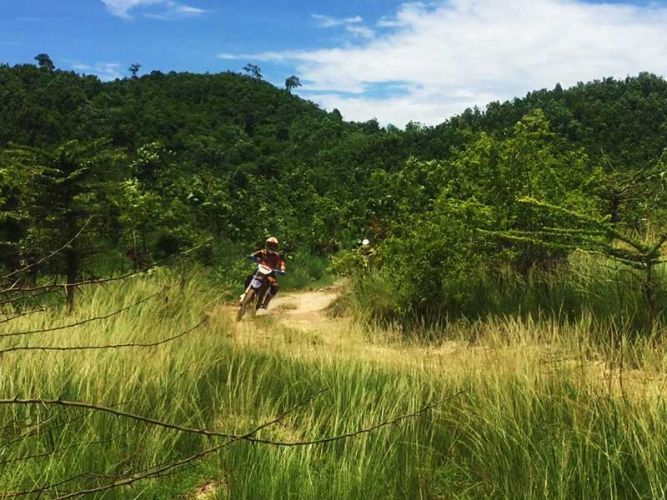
209,114
166,161
43,108
623,119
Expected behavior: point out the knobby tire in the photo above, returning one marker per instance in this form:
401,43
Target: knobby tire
248,301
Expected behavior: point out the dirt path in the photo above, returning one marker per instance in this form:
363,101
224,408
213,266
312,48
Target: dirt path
298,325
303,309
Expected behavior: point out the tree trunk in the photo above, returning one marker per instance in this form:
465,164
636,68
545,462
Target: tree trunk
72,264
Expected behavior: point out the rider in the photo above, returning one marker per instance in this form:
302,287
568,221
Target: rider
270,257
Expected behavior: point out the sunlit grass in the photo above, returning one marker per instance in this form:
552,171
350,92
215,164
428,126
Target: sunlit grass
547,410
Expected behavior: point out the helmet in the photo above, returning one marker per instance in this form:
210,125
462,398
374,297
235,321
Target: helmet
272,243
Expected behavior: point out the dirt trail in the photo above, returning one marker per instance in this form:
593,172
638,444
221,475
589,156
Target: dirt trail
303,309
298,325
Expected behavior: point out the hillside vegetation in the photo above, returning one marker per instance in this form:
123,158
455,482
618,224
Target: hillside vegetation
155,165
502,335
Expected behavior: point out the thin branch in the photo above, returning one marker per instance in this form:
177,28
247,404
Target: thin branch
367,430
41,428
162,469
49,256
22,314
209,433
25,294
82,322
60,451
112,411
166,469
100,347
41,489
57,286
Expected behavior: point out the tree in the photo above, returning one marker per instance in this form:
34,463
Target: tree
45,62
253,70
291,83
134,69
577,231
61,192
632,196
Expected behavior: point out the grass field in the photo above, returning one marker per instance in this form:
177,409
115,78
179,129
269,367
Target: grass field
525,409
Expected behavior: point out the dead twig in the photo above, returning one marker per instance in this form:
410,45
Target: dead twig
155,471
83,322
96,281
49,256
108,346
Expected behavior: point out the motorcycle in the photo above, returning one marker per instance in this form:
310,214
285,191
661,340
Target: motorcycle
256,291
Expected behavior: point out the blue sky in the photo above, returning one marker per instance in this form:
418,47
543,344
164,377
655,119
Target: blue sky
391,60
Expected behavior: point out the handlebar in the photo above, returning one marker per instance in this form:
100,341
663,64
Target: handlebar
256,259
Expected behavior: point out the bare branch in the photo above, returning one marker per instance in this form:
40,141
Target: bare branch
57,286
82,322
60,451
168,468
100,347
41,428
159,470
367,430
209,433
49,256
21,315
24,294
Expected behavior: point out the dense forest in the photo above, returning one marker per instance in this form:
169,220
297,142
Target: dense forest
127,172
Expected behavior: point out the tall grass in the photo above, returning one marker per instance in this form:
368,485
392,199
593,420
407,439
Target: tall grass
536,419
585,286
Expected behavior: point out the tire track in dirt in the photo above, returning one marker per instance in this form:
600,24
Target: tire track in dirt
301,310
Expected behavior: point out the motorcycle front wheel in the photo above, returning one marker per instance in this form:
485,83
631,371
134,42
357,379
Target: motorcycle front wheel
247,304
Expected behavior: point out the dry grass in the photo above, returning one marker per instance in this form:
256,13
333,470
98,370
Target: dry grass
536,416
493,348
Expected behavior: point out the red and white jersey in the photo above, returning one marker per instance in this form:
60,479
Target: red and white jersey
271,259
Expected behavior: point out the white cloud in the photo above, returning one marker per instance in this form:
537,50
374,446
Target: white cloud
360,31
352,25
158,9
459,53
103,70
330,22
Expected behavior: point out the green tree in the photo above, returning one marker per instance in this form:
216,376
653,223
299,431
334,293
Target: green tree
63,200
291,83
45,62
134,69
577,231
253,70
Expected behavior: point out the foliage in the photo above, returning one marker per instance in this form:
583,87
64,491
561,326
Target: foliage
224,160
600,236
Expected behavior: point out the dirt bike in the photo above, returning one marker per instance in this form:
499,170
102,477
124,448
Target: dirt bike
256,291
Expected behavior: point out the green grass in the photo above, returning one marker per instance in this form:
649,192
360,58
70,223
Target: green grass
529,425
584,286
